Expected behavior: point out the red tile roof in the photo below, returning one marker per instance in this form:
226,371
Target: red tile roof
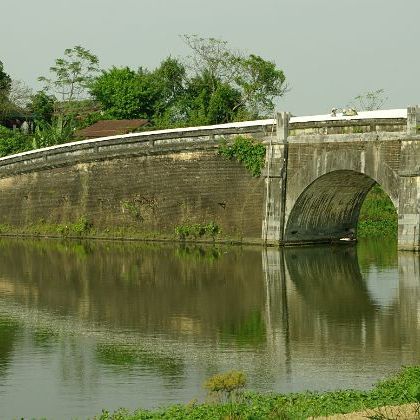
106,128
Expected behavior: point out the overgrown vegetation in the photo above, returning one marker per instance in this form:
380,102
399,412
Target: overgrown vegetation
80,228
226,387
400,389
378,216
197,230
247,151
212,84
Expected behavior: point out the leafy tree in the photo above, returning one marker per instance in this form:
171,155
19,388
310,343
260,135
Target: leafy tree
258,81
42,107
124,93
5,80
70,78
72,74
120,92
169,84
5,85
215,85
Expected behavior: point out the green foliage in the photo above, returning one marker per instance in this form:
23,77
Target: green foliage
79,228
247,151
5,80
5,86
47,134
131,208
216,85
72,74
42,107
400,389
226,387
256,81
122,92
197,230
260,82
378,216
13,141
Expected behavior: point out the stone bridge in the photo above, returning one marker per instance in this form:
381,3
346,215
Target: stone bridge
318,171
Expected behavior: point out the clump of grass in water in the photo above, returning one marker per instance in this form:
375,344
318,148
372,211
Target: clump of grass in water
226,387
401,389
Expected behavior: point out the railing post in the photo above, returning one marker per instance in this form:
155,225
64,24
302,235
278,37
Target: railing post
413,119
275,173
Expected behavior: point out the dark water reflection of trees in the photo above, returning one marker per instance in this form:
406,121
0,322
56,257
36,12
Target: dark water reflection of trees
232,296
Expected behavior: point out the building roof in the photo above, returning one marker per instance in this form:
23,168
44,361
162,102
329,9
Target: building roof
105,128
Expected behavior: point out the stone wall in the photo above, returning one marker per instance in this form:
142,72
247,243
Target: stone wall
149,184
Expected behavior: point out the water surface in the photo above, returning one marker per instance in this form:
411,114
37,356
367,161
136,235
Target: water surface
92,325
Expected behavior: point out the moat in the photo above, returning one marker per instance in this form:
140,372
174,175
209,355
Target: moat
92,325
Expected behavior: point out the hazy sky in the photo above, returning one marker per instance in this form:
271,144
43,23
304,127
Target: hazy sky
329,50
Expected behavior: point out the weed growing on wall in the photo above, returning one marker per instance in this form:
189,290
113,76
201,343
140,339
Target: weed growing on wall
197,230
79,228
247,151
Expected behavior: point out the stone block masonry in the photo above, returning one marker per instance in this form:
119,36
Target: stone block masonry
317,173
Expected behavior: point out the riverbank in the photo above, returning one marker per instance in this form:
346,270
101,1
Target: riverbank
378,217
399,390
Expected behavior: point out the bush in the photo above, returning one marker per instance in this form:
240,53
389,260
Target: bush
197,230
247,151
12,142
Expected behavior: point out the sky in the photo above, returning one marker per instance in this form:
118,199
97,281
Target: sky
330,51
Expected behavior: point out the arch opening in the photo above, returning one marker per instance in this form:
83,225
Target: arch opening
328,209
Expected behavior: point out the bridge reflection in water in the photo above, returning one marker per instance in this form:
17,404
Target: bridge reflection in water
168,317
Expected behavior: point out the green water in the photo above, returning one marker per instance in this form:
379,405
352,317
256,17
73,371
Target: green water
92,325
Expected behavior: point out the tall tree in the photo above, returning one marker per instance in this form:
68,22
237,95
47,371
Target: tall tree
124,93
258,81
42,107
5,80
72,74
5,85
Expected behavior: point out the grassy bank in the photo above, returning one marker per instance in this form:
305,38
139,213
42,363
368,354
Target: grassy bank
378,216
400,389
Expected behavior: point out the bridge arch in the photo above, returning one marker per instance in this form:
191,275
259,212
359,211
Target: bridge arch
329,207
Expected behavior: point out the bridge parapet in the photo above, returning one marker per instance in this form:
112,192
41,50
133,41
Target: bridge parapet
326,164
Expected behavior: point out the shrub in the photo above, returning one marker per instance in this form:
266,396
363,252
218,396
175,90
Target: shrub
247,151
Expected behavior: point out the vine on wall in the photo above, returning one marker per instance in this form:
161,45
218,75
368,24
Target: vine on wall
247,151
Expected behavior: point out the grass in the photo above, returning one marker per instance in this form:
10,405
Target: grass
400,389
378,216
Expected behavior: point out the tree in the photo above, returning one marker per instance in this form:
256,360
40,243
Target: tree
117,90
19,96
5,85
370,101
42,107
124,93
5,80
72,74
70,79
258,81
215,85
